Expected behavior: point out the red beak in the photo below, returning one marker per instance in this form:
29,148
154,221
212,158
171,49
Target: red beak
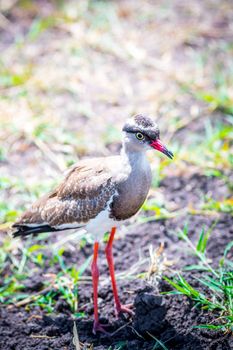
161,148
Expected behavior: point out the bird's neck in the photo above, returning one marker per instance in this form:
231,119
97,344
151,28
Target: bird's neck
135,159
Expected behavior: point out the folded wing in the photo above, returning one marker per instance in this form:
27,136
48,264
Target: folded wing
82,195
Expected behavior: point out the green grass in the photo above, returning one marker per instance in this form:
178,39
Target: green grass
217,282
216,90
157,206
219,98
159,345
224,206
64,285
211,151
24,193
120,346
40,25
11,78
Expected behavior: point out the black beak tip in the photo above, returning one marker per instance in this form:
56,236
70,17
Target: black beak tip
169,154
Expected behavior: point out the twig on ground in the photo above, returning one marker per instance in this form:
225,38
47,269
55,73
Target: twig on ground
76,338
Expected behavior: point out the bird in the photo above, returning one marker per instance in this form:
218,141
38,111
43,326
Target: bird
99,194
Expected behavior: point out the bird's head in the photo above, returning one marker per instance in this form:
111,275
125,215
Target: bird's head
142,133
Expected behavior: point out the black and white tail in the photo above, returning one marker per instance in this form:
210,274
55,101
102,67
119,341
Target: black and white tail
25,230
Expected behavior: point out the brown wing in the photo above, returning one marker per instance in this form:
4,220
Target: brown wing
81,196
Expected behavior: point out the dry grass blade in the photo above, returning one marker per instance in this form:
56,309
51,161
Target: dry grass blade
41,336
122,327
72,237
60,165
162,346
6,5
155,259
4,22
158,264
33,297
76,338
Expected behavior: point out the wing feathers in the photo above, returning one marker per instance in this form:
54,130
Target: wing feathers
84,193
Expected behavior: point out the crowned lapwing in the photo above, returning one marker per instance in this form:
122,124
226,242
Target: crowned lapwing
98,194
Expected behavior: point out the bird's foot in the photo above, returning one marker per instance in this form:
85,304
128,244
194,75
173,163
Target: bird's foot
99,327
124,309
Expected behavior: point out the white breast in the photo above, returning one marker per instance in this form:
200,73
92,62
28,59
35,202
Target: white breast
102,223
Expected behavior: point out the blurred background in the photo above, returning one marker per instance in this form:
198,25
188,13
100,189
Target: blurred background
71,72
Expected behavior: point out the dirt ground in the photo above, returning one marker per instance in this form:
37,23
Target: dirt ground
67,83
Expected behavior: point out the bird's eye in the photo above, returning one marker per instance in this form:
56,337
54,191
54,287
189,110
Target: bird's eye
140,136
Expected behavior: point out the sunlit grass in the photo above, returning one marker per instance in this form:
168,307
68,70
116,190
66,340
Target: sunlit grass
212,150
10,78
157,209
224,206
24,194
64,285
218,281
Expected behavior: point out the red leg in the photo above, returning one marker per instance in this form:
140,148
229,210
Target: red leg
95,280
108,250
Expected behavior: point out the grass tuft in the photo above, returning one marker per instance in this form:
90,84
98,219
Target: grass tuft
218,283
